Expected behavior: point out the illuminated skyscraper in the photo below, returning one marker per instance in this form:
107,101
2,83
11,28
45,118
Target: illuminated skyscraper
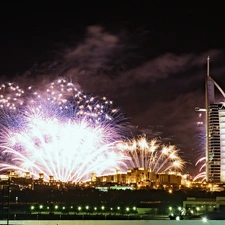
215,132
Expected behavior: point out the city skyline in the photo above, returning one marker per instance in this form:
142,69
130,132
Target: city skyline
150,59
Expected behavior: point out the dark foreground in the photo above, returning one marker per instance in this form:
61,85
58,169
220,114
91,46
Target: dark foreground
84,217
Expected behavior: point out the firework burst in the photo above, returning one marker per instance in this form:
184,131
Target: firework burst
59,132
151,154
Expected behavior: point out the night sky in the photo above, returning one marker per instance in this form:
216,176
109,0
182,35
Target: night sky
149,57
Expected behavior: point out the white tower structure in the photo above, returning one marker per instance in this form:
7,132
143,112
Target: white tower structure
215,132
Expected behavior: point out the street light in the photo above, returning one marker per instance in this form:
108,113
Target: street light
204,219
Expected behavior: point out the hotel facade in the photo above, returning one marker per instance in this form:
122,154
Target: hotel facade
215,132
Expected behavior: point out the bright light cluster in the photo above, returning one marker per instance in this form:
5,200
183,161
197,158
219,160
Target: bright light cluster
58,132
151,154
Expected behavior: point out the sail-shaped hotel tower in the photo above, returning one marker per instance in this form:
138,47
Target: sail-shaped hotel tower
215,132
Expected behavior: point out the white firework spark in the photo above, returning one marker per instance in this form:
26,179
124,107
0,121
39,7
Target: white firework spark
151,154
59,132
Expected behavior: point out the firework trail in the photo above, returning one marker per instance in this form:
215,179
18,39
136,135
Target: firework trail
151,154
59,132
202,173
201,162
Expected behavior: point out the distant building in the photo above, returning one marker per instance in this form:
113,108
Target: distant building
215,132
202,205
139,177
216,143
134,179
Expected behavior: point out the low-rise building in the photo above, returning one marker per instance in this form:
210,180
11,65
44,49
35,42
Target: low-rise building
195,205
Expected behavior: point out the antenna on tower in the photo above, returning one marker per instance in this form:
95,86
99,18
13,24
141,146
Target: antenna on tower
207,66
